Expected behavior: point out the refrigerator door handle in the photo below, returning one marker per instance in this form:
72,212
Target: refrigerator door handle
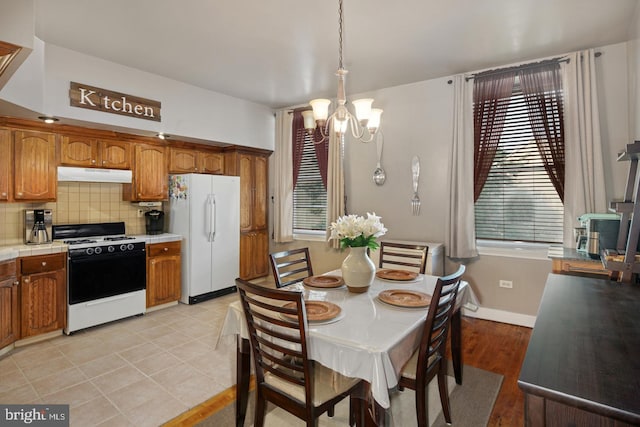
212,218
207,217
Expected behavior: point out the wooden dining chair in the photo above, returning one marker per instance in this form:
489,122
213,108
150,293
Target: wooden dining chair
285,376
405,255
428,361
290,266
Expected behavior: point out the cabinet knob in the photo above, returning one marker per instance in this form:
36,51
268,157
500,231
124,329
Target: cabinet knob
195,169
4,194
44,263
93,161
139,194
165,249
26,280
104,162
20,194
16,283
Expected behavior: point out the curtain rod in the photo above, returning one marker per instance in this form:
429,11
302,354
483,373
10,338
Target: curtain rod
520,67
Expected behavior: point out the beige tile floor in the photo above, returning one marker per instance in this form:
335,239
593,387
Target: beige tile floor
141,371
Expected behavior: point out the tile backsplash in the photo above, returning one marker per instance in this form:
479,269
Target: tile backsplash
78,203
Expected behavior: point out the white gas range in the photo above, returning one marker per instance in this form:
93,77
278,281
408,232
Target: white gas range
106,273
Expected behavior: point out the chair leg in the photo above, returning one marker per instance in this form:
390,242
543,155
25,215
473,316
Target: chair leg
444,395
422,406
261,406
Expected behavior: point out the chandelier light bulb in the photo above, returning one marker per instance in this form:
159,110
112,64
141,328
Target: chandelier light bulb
309,120
374,120
363,110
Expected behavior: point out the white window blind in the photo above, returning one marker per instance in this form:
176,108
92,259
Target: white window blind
309,194
518,201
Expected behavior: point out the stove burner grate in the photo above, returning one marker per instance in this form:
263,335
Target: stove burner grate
116,238
79,242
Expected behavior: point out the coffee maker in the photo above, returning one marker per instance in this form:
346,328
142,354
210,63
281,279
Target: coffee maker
37,226
154,221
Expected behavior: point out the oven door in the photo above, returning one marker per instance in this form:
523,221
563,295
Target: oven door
94,277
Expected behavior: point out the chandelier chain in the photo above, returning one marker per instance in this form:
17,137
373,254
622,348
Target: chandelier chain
340,66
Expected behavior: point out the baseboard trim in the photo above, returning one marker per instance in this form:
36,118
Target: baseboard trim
501,316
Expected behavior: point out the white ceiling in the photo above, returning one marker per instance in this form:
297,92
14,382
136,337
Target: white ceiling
285,52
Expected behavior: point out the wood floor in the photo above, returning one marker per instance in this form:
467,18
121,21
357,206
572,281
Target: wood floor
492,346
499,348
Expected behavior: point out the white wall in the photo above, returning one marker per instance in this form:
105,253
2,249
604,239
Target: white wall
417,120
187,111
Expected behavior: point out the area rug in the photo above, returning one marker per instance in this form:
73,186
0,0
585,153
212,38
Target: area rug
471,405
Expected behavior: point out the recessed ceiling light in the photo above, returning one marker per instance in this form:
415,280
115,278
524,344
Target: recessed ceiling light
48,119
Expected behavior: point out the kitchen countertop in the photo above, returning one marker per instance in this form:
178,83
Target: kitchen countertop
21,250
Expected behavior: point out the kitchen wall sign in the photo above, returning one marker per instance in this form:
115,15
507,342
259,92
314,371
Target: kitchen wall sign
95,98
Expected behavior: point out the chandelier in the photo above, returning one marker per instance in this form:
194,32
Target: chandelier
364,124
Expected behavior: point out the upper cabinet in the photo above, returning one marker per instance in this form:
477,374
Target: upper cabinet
187,160
91,152
35,177
5,164
150,174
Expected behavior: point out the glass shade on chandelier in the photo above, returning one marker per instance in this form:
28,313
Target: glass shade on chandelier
364,124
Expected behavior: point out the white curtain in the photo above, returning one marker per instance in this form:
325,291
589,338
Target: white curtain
335,183
283,186
460,232
584,190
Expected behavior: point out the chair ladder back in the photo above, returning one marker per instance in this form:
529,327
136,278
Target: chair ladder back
276,341
404,254
439,319
290,266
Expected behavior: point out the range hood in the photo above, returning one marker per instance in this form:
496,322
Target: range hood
66,173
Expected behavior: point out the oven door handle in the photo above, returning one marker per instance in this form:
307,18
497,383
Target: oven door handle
211,217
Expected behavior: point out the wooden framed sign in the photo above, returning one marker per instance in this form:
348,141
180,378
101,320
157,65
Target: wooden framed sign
95,98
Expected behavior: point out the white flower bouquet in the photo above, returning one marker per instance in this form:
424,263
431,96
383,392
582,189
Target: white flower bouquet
357,231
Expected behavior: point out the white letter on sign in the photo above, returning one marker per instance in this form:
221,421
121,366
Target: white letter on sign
84,95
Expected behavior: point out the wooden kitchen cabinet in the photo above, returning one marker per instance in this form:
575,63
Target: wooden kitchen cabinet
254,254
35,174
252,168
43,281
253,192
163,273
9,304
150,175
187,160
5,165
91,152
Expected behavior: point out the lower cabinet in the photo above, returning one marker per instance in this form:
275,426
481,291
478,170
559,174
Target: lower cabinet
43,293
163,273
9,304
254,250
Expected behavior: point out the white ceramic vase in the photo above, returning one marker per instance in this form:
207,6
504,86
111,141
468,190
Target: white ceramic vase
358,270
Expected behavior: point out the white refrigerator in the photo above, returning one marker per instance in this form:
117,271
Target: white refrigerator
205,211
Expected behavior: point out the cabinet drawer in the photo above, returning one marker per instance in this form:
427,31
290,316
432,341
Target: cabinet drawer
167,248
7,269
42,264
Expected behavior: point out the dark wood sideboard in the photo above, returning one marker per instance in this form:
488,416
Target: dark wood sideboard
582,366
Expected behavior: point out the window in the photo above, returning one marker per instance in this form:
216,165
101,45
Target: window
309,193
518,201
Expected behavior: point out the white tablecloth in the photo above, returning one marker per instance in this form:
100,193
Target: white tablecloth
371,339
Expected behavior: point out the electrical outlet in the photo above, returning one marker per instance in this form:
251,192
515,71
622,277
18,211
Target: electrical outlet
140,213
506,284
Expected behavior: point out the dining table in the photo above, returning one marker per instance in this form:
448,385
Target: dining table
369,339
